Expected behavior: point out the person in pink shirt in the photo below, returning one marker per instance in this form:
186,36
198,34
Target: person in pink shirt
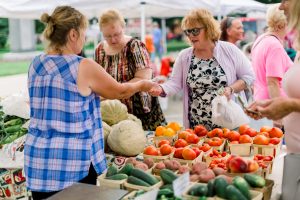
269,59
288,107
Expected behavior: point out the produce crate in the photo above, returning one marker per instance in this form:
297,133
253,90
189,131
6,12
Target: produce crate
255,195
208,159
267,150
171,139
220,148
240,149
129,196
258,172
204,153
267,190
131,187
189,162
102,181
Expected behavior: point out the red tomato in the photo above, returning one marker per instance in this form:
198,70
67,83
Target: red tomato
276,132
265,129
178,153
180,143
197,151
163,142
243,128
251,132
165,149
261,140
264,133
215,141
192,138
245,139
200,130
190,130
183,134
274,140
233,136
188,154
205,147
217,132
268,158
151,150
259,156
226,131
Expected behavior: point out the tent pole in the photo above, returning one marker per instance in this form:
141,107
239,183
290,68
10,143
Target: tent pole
143,28
164,34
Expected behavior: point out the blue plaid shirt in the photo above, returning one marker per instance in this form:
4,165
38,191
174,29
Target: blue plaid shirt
65,133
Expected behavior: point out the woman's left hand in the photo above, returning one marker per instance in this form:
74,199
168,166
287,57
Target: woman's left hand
227,92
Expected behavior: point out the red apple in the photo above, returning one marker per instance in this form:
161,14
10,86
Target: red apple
238,164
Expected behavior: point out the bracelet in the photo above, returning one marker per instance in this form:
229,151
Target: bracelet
232,90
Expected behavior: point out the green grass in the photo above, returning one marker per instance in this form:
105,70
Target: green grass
12,68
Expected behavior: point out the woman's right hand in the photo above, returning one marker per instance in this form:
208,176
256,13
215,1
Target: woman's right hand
146,85
156,90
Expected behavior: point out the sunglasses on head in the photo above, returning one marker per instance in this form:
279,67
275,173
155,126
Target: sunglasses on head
193,31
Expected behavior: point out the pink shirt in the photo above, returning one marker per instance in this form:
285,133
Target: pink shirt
269,59
291,122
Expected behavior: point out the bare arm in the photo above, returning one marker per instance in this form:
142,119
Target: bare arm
92,77
237,86
143,74
273,87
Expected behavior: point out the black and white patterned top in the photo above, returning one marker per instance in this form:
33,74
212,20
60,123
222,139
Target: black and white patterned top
204,78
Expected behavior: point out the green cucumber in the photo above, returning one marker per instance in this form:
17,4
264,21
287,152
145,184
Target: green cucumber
255,180
112,170
136,181
117,177
148,178
126,169
242,185
233,193
167,176
210,188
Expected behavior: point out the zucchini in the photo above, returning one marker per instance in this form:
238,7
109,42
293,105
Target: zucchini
136,181
126,169
148,178
220,185
117,177
112,170
167,176
233,193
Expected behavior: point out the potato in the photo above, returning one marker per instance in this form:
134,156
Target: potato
175,165
206,175
160,165
183,169
198,167
131,160
142,166
219,171
194,178
149,162
168,164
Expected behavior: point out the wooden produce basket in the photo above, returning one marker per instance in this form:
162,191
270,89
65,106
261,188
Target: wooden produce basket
267,150
102,181
220,148
189,162
258,172
208,159
129,196
132,187
158,158
240,149
267,190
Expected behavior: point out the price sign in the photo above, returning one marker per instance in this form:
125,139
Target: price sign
181,183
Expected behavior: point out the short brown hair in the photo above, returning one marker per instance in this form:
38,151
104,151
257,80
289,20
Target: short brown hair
58,25
204,17
111,16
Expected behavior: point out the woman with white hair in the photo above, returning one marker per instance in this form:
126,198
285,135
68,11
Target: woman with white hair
269,59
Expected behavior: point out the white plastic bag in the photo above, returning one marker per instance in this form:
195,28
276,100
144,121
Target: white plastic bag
227,114
17,104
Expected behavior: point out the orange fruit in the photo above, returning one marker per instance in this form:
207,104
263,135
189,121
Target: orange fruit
169,132
159,131
174,125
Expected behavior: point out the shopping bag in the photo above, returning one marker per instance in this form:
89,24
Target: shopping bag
227,114
291,177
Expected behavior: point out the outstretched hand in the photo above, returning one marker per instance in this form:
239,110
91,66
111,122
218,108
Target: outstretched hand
156,90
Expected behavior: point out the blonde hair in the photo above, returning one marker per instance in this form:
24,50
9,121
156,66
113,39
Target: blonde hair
294,21
58,25
204,17
275,17
111,16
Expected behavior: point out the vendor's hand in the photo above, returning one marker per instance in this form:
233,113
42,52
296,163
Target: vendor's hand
156,90
252,111
275,108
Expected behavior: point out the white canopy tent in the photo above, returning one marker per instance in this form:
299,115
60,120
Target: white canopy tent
33,9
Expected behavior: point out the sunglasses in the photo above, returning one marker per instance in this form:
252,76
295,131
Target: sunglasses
193,31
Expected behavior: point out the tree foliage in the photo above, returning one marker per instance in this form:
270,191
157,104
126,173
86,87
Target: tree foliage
268,1
3,32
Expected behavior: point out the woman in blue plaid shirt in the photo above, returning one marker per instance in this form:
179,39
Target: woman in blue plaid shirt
65,142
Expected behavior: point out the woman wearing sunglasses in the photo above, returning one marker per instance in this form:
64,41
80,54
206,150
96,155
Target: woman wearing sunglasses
201,70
